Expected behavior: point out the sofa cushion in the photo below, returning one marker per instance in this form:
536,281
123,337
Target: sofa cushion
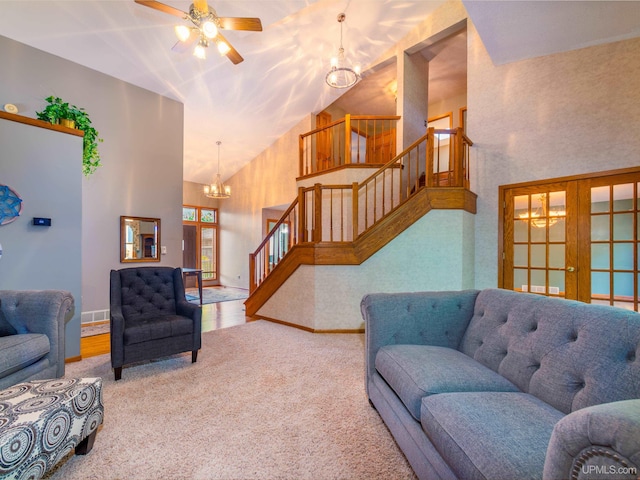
490,435
5,327
415,371
153,328
20,351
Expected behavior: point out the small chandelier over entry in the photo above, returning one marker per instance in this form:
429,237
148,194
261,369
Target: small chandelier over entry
342,74
217,189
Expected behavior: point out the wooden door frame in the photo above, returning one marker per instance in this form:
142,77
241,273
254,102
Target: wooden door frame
198,224
582,221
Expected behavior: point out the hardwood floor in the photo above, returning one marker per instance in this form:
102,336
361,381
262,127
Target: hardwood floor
214,316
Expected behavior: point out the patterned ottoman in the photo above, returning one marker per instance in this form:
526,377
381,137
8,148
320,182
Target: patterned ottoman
42,421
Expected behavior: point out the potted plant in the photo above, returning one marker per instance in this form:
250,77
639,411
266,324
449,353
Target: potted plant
59,111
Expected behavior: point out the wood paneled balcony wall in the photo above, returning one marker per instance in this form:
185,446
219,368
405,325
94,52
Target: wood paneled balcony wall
346,224
355,140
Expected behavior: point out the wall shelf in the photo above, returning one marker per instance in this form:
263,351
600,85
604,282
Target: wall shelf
40,123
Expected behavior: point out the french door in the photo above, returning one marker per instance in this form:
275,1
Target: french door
576,238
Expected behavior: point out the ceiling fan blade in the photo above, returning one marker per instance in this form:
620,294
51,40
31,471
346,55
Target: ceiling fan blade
201,6
162,7
232,54
188,44
241,23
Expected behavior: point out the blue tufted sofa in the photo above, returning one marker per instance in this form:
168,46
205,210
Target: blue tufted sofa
504,385
32,334
150,316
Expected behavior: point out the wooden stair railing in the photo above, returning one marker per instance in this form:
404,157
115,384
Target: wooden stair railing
354,140
346,224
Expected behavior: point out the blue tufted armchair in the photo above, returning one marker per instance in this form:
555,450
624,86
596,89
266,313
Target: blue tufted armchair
150,316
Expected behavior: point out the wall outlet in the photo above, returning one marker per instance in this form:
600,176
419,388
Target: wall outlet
163,250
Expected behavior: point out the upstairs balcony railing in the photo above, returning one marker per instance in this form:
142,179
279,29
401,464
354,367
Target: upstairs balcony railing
336,214
353,140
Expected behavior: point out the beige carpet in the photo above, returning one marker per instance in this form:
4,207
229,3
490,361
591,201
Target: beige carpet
264,401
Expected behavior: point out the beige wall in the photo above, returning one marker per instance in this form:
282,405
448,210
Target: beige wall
268,181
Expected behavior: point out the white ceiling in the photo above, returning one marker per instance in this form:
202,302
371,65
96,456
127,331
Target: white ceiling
248,106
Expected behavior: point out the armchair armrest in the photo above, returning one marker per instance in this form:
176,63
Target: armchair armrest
193,312
422,318
40,311
597,441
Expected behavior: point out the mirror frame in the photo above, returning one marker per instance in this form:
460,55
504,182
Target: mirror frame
123,236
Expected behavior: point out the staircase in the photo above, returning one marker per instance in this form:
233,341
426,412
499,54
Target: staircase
348,224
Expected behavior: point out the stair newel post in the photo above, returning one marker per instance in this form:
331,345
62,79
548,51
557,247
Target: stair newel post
252,272
354,206
317,200
458,170
302,216
428,173
301,155
347,139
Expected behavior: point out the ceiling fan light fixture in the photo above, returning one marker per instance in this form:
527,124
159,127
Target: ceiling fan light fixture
200,50
182,32
342,74
209,29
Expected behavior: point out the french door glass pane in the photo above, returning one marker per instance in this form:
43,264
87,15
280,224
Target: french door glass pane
623,256
600,199
599,227
207,253
556,282
520,280
623,197
600,256
538,256
600,283
556,256
623,226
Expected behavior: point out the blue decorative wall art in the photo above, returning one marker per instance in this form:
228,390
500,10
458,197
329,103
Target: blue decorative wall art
10,205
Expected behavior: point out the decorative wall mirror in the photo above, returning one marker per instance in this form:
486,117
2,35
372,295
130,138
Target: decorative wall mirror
139,239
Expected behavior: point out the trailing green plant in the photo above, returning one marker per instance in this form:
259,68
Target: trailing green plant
58,109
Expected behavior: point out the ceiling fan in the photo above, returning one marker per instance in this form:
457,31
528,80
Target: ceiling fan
205,28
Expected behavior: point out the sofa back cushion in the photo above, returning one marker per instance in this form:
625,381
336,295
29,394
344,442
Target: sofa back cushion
147,292
5,327
569,354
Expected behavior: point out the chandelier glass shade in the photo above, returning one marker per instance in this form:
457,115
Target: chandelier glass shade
217,189
342,74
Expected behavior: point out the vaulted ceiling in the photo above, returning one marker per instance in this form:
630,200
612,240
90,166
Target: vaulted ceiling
249,105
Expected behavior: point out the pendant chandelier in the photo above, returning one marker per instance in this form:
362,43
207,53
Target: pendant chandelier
342,74
217,189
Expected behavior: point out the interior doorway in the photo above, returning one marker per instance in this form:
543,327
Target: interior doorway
575,237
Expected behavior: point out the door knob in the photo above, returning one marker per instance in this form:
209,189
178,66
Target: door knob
571,269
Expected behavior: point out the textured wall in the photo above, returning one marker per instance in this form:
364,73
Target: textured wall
564,114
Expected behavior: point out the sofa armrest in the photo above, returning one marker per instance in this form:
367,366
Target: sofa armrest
424,318
40,311
597,441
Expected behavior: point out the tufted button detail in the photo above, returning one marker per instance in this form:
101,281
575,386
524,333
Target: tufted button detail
631,356
574,337
533,328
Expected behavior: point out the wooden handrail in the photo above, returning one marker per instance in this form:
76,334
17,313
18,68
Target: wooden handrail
371,201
